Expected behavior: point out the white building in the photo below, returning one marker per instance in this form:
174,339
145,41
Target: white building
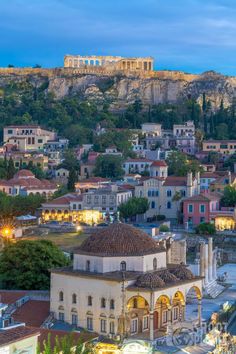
27,137
120,284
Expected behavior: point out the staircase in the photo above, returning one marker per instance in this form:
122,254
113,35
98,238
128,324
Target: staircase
214,289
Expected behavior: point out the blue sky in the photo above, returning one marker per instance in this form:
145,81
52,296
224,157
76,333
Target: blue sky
188,35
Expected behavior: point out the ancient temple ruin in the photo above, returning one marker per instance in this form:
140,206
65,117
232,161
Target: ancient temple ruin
109,62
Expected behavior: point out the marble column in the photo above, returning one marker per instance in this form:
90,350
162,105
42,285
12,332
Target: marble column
200,312
214,270
202,259
210,259
151,318
206,264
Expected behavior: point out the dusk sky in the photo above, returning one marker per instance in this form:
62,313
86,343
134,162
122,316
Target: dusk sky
189,35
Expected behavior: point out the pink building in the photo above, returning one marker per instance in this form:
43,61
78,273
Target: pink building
199,208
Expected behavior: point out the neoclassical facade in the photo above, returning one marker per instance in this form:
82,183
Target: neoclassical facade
115,62
121,285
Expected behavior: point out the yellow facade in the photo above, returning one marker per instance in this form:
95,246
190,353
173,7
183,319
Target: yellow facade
85,216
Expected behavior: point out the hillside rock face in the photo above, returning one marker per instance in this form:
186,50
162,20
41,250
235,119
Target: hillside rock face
121,89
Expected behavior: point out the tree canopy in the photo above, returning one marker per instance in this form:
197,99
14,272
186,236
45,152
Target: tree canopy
25,265
179,164
229,196
134,206
19,205
109,166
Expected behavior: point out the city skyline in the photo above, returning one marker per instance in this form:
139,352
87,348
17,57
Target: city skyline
192,36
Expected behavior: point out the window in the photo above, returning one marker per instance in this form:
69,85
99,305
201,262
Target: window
112,327
134,325
61,316
61,296
145,322
90,301
168,205
10,131
149,193
88,266
157,193
168,193
40,141
202,208
123,266
190,208
74,319
74,299
135,303
153,205
164,316
103,326
112,304
202,219
175,313
103,302
154,264
74,206
90,323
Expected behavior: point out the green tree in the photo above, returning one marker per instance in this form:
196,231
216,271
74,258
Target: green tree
10,169
205,229
26,264
222,131
164,228
109,166
72,179
179,164
229,196
134,206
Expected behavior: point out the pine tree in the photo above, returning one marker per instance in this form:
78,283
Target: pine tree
72,179
10,169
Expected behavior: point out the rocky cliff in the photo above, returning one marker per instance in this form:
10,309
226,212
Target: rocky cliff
120,89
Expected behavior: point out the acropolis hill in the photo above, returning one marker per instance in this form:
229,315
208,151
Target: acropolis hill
123,84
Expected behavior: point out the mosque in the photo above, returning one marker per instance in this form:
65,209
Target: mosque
123,285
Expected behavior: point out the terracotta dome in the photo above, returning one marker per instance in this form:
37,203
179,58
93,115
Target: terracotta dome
168,277
150,280
24,174
119,240
182,272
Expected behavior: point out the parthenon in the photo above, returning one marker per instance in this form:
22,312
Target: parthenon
111,62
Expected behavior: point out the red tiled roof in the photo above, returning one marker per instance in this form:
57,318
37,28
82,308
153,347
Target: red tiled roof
65,199
16,334
10,297
175,181
33,313
159,163
209,175
94,180
203,197
23,126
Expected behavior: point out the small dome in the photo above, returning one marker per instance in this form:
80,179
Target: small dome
119,240
150,280
182,273
24,174
167,277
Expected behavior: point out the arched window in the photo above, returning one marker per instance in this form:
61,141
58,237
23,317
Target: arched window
123,266
90,300
74,299
88,266
61,296
135,303
103,302
112,304
155,264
